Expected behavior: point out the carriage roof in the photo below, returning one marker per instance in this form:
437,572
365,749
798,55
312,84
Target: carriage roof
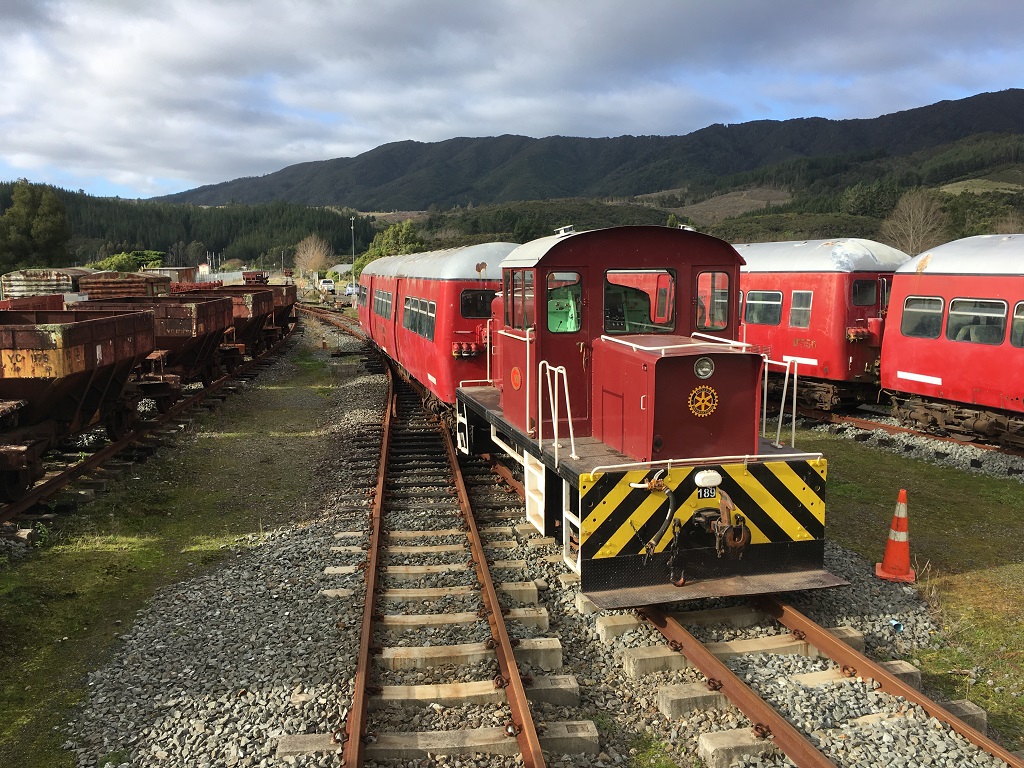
838,255
978,255
471,262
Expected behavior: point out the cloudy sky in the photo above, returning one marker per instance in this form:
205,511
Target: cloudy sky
145,97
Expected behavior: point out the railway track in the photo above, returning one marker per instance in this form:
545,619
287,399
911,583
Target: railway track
886,704
423,531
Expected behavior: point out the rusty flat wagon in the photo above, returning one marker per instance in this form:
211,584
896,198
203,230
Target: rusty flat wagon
189,331
60,373
253,306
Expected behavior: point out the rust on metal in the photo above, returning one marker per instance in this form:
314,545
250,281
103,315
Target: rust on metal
786,737
355,724
846,656
526,731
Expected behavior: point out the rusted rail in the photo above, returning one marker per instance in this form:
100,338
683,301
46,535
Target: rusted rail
767,721
355,724
844,655
522,720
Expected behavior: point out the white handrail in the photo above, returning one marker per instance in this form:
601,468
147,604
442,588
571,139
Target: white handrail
547,370
782,405
668,464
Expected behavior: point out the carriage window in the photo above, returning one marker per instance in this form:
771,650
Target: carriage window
476,304
922,317
564,301
977,320
631,301
764,307
519,299
407,313
800,311
382,304
362,295
865,293
712,301
1017,329
428,329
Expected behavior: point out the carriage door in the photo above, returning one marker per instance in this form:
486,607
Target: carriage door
565,343
519,353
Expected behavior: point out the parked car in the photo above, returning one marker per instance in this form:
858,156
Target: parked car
351,289
327,285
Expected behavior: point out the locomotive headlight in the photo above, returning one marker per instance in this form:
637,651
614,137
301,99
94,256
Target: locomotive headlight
704,367
707,478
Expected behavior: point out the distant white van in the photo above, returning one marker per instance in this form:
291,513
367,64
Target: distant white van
327,285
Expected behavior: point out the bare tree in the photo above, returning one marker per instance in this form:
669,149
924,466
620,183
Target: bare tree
313,254
1011,223
916,223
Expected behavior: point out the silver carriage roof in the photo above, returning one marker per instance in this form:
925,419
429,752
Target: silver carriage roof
471,262
978,255
841,255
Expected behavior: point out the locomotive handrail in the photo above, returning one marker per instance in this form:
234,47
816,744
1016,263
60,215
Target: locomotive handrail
559,373
669,463
729,342
782,405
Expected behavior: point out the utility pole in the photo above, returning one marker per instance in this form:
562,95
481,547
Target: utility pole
353,239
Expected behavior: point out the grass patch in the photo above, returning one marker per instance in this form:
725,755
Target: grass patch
970,564
236,472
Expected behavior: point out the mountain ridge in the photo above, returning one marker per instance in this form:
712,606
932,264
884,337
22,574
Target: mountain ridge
412,175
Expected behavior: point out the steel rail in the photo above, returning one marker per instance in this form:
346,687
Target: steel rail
355,724
768,722
522,719
862,666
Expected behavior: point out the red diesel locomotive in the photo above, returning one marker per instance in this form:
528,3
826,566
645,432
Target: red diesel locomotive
953,354
819,306
629,403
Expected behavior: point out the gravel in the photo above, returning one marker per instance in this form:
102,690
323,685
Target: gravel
218,668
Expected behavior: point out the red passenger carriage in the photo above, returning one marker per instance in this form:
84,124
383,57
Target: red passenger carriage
820,306
953,356
430,312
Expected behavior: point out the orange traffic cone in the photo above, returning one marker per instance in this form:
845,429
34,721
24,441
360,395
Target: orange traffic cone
895,565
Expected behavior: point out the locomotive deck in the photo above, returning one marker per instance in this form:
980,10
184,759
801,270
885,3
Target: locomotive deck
592,454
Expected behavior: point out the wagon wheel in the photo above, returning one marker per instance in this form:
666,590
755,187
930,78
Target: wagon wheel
209,375
14,483
164,403
119,422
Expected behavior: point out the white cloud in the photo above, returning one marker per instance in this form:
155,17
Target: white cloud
149,98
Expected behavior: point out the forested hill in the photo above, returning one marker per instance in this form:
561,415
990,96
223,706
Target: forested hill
410,175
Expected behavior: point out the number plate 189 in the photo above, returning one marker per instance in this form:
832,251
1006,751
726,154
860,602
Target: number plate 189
707,493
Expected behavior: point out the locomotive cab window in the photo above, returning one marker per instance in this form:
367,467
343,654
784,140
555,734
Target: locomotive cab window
864,293
564,302
712,301
800,310
519,299
978,321
922,317
764,307
476,304
639,301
